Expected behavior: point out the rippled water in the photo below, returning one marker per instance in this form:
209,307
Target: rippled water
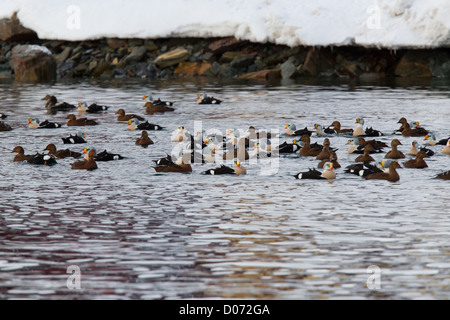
137,234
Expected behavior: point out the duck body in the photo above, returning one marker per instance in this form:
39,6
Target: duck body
443,175
332,159
80,122
239,169
61,154
136,125
289,147
42,159
446,149
122,116
395,153
144,140
36,124
88,165
309,150
327,174
366,157
337,128
291,130
391,176
20,154
203,98
167,165
3,116
52,104
106,156
156,106
419,162
5,127
93,108
362,169
77,139
220,171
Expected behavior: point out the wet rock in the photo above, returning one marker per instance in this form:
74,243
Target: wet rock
62,57
66,70
282,54
439,63
318,61
102,67
267,74
413,64
288,69
11,30
229,56
33,63
172,58
226,44
115,44
136,55
242,61
192,68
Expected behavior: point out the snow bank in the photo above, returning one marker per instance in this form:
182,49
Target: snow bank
369,23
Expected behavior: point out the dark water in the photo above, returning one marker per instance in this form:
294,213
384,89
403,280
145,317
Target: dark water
137,234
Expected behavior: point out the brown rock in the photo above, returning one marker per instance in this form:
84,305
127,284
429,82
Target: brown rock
115,44
226,44
172,58
12,31
414,63
318,61
33,63
267,74
192,68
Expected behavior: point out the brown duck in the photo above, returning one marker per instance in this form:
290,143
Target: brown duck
307,150
377,145
20,154
337,127
144,140
366,157
126,117
86,164
395,153
333,160
418,162
391,176
407,131
170,166
74,122
151,108
325,153
5,127
61,154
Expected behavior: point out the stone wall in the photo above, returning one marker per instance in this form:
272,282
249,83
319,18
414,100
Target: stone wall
222,58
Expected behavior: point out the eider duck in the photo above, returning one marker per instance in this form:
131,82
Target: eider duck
332,159
321,131
144,140
5,127
61,154
134,124
238,168
359,130
418,162
446,149
157,106
42,159
337,127
365,157
220,170
431,140
106,156
170,166
254,135
289,147
202,98
309,150
93,108
36,124
20,154
391,176
395,153
126,117
86,164
52,104
3,116
377,145
180,135
74,122
414,148
411,131
327,174
363,169
325,152
291,130
76,139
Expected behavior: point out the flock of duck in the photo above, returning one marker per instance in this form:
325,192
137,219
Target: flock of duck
239,146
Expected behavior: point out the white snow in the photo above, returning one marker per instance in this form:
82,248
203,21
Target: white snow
371,23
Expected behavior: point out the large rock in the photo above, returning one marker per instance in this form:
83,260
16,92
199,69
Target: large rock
439,63
192,68
414,63
136,55
225,44
33,63
12,31
318,61
267,74
172,58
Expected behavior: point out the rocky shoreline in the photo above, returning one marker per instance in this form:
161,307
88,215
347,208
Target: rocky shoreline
215,57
